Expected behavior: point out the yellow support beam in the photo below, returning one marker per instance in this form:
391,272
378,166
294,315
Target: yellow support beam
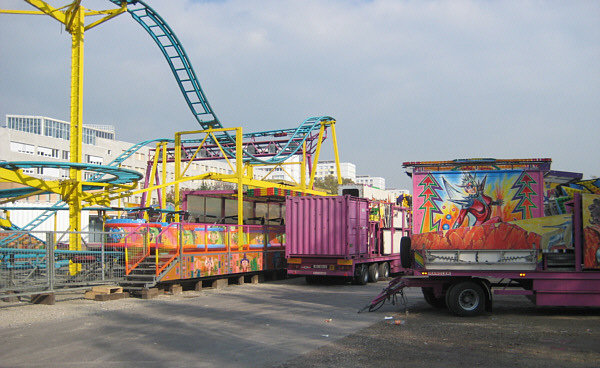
73,18
313,172
239,170
20,178
47,9
75,26
336,152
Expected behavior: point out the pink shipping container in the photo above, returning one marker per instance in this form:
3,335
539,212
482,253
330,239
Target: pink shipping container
327,226
343,236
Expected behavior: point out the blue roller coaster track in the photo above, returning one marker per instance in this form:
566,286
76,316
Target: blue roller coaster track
198,104
122,176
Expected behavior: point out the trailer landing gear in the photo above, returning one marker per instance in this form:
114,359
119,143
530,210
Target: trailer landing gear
432,300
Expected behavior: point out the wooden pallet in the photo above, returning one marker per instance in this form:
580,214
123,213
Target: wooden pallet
104,293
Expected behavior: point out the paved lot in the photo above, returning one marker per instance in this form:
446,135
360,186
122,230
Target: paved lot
287,323
253,325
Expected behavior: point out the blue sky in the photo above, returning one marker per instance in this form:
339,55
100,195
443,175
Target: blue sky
406,80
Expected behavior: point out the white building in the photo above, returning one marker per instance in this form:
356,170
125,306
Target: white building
325,168
372,181
398,192
37,138
290,171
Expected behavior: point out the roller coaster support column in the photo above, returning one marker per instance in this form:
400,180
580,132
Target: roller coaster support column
74,20
178,163
303,168
324,124
336,153
75,26
239,168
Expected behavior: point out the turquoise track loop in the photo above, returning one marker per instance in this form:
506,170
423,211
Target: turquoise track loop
60,204
192,92
189,85
178,61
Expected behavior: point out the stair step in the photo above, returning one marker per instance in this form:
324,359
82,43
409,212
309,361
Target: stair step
127,286
140,277
151,269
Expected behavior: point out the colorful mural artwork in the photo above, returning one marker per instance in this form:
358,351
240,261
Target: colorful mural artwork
453,199
209,265
545,233
196,266
591,230
246,262
582,186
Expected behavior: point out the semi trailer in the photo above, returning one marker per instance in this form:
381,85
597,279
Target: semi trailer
344,236
485,227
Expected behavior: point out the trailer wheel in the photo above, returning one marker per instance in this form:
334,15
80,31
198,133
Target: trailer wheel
373,272
384,270
430,298
361,275
405,245
466,299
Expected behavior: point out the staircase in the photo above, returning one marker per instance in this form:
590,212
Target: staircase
143,276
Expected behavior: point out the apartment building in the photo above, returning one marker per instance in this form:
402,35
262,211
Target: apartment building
38,138
372,181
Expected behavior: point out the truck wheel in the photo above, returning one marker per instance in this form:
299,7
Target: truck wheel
373,272
405,245
466,299
361,275
384,270
432,300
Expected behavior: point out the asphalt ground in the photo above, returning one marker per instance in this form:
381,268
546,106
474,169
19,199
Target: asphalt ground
251,325
289,324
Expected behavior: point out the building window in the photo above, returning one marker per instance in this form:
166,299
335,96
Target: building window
47,152
56,129
22,148
25,124
95,160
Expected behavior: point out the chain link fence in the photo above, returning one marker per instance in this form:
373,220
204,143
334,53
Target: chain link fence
49,261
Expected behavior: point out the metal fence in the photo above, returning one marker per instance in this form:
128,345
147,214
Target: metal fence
40,262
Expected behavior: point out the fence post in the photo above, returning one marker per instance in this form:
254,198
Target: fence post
50,263
181,250
103,266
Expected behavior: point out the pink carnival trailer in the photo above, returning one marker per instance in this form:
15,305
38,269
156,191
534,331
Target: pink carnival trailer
486,227
344,236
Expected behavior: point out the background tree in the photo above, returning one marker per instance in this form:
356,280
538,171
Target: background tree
330,184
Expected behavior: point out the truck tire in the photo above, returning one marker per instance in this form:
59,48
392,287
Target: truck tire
405,258
384,270
431,299
361,275
373,272
466,299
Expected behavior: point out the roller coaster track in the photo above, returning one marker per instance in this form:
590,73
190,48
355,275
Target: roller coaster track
61,204
189,85
254,152
177,58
